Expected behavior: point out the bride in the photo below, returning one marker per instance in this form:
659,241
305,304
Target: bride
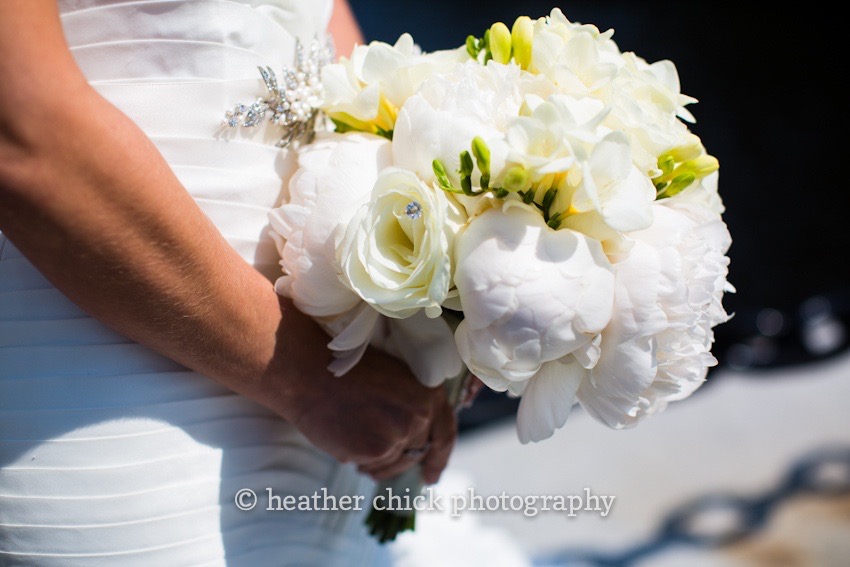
149,374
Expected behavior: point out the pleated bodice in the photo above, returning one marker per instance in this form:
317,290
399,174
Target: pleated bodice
111,454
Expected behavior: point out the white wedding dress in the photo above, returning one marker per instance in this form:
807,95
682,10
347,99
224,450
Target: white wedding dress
111,454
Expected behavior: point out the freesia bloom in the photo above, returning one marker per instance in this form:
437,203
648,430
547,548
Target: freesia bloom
611,195
397,250
366,91
548,137
600,192
648,104
577,57
452,108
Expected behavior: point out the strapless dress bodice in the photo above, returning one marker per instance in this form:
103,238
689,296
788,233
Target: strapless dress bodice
111,454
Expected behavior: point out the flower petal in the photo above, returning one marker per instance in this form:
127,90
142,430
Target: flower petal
428,347
548,399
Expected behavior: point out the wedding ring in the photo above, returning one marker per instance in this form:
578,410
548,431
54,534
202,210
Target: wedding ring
416,452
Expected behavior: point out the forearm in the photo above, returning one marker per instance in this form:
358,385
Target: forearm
92,204
345,29
112,228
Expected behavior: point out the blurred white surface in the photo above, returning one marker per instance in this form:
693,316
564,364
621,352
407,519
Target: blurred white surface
739,435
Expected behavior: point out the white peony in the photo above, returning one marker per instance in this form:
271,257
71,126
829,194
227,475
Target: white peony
529,294
670,287
335,177
397,249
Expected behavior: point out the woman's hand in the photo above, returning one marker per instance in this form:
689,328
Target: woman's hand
370,416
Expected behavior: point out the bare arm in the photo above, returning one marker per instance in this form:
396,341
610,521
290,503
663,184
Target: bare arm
345,29
92,204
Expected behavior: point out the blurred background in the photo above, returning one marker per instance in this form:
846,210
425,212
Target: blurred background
753,469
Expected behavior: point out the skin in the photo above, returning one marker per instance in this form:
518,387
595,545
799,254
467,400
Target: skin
91,203
346,32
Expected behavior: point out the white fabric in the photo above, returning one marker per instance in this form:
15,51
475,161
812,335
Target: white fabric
111,454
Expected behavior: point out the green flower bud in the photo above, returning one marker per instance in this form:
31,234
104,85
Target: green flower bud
500,42
679,184
522,38
482,155
466,164
666,163
701,166
442,176
691,150
516,179
472,46
548,199
465,172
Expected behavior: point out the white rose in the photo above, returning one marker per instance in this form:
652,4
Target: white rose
657,347
397,250
335,177
529,294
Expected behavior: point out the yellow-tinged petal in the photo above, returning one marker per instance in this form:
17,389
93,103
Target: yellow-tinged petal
500,42
522,38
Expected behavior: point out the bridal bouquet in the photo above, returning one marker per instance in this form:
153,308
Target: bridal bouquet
530,207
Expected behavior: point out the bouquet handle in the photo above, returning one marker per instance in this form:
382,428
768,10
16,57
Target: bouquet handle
385,524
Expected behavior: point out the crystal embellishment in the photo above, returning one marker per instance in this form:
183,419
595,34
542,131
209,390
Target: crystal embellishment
413,210
293,102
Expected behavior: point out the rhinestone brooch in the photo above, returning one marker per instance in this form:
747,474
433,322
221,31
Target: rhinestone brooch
293,102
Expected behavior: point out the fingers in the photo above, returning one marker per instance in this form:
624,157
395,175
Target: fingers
472,389
373,467
401,464
443,435
401,459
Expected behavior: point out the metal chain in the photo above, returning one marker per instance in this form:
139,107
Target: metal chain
823,473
